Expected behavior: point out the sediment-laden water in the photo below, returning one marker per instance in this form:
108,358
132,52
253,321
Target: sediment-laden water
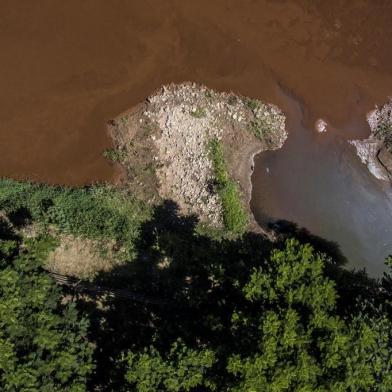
69,66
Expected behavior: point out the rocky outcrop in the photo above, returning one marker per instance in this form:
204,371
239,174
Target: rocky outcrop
172,129
376,151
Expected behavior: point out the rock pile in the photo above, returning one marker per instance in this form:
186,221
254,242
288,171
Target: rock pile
375,151
184,118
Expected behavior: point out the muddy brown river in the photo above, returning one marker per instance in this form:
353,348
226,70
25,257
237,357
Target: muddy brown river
68,67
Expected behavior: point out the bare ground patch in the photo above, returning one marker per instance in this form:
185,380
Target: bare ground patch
78,257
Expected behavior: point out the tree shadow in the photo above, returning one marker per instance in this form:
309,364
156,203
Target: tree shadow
20,217
196,283
287,229
186,273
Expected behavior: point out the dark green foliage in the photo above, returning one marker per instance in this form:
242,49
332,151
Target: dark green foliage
182,369
43,345
99,212
272,322
234,215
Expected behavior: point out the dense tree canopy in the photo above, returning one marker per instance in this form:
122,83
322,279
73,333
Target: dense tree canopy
227,314
43,345
302,345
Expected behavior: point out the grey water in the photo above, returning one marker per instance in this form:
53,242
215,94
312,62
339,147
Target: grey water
317,182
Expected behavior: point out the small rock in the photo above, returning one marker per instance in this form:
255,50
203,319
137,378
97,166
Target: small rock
321,125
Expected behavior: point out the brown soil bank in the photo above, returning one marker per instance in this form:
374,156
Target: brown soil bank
69,66
164,145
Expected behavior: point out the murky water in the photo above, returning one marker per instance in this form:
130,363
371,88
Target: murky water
66,67
317,182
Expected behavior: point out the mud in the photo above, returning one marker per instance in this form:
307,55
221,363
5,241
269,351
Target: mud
68,67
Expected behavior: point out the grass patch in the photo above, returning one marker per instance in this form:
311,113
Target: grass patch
199,112
258,128
115,155
98,212
252,104
234,215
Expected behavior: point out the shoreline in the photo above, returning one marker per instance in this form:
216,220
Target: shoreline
376,151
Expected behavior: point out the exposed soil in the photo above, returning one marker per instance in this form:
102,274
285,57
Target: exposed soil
67,67
78,257
164,145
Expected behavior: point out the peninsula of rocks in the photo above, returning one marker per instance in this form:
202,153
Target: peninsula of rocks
166,146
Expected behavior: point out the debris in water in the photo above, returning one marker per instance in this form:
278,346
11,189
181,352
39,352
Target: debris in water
321,126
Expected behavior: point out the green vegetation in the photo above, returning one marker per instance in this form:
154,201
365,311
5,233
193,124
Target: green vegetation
252,104
302,344
115,154
232,100
199,112
43,342
210,313
258,127
99,213
234,214
182,370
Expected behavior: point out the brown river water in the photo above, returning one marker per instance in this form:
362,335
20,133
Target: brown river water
69,66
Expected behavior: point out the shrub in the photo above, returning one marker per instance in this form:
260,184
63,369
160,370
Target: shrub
99,212
234,215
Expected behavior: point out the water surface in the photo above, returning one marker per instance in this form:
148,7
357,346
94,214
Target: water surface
317,182
69,66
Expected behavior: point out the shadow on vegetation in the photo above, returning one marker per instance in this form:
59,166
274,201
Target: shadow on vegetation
198,280
20,217
195,281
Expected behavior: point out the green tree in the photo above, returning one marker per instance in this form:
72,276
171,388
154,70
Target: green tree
182,369
301,345
43,345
